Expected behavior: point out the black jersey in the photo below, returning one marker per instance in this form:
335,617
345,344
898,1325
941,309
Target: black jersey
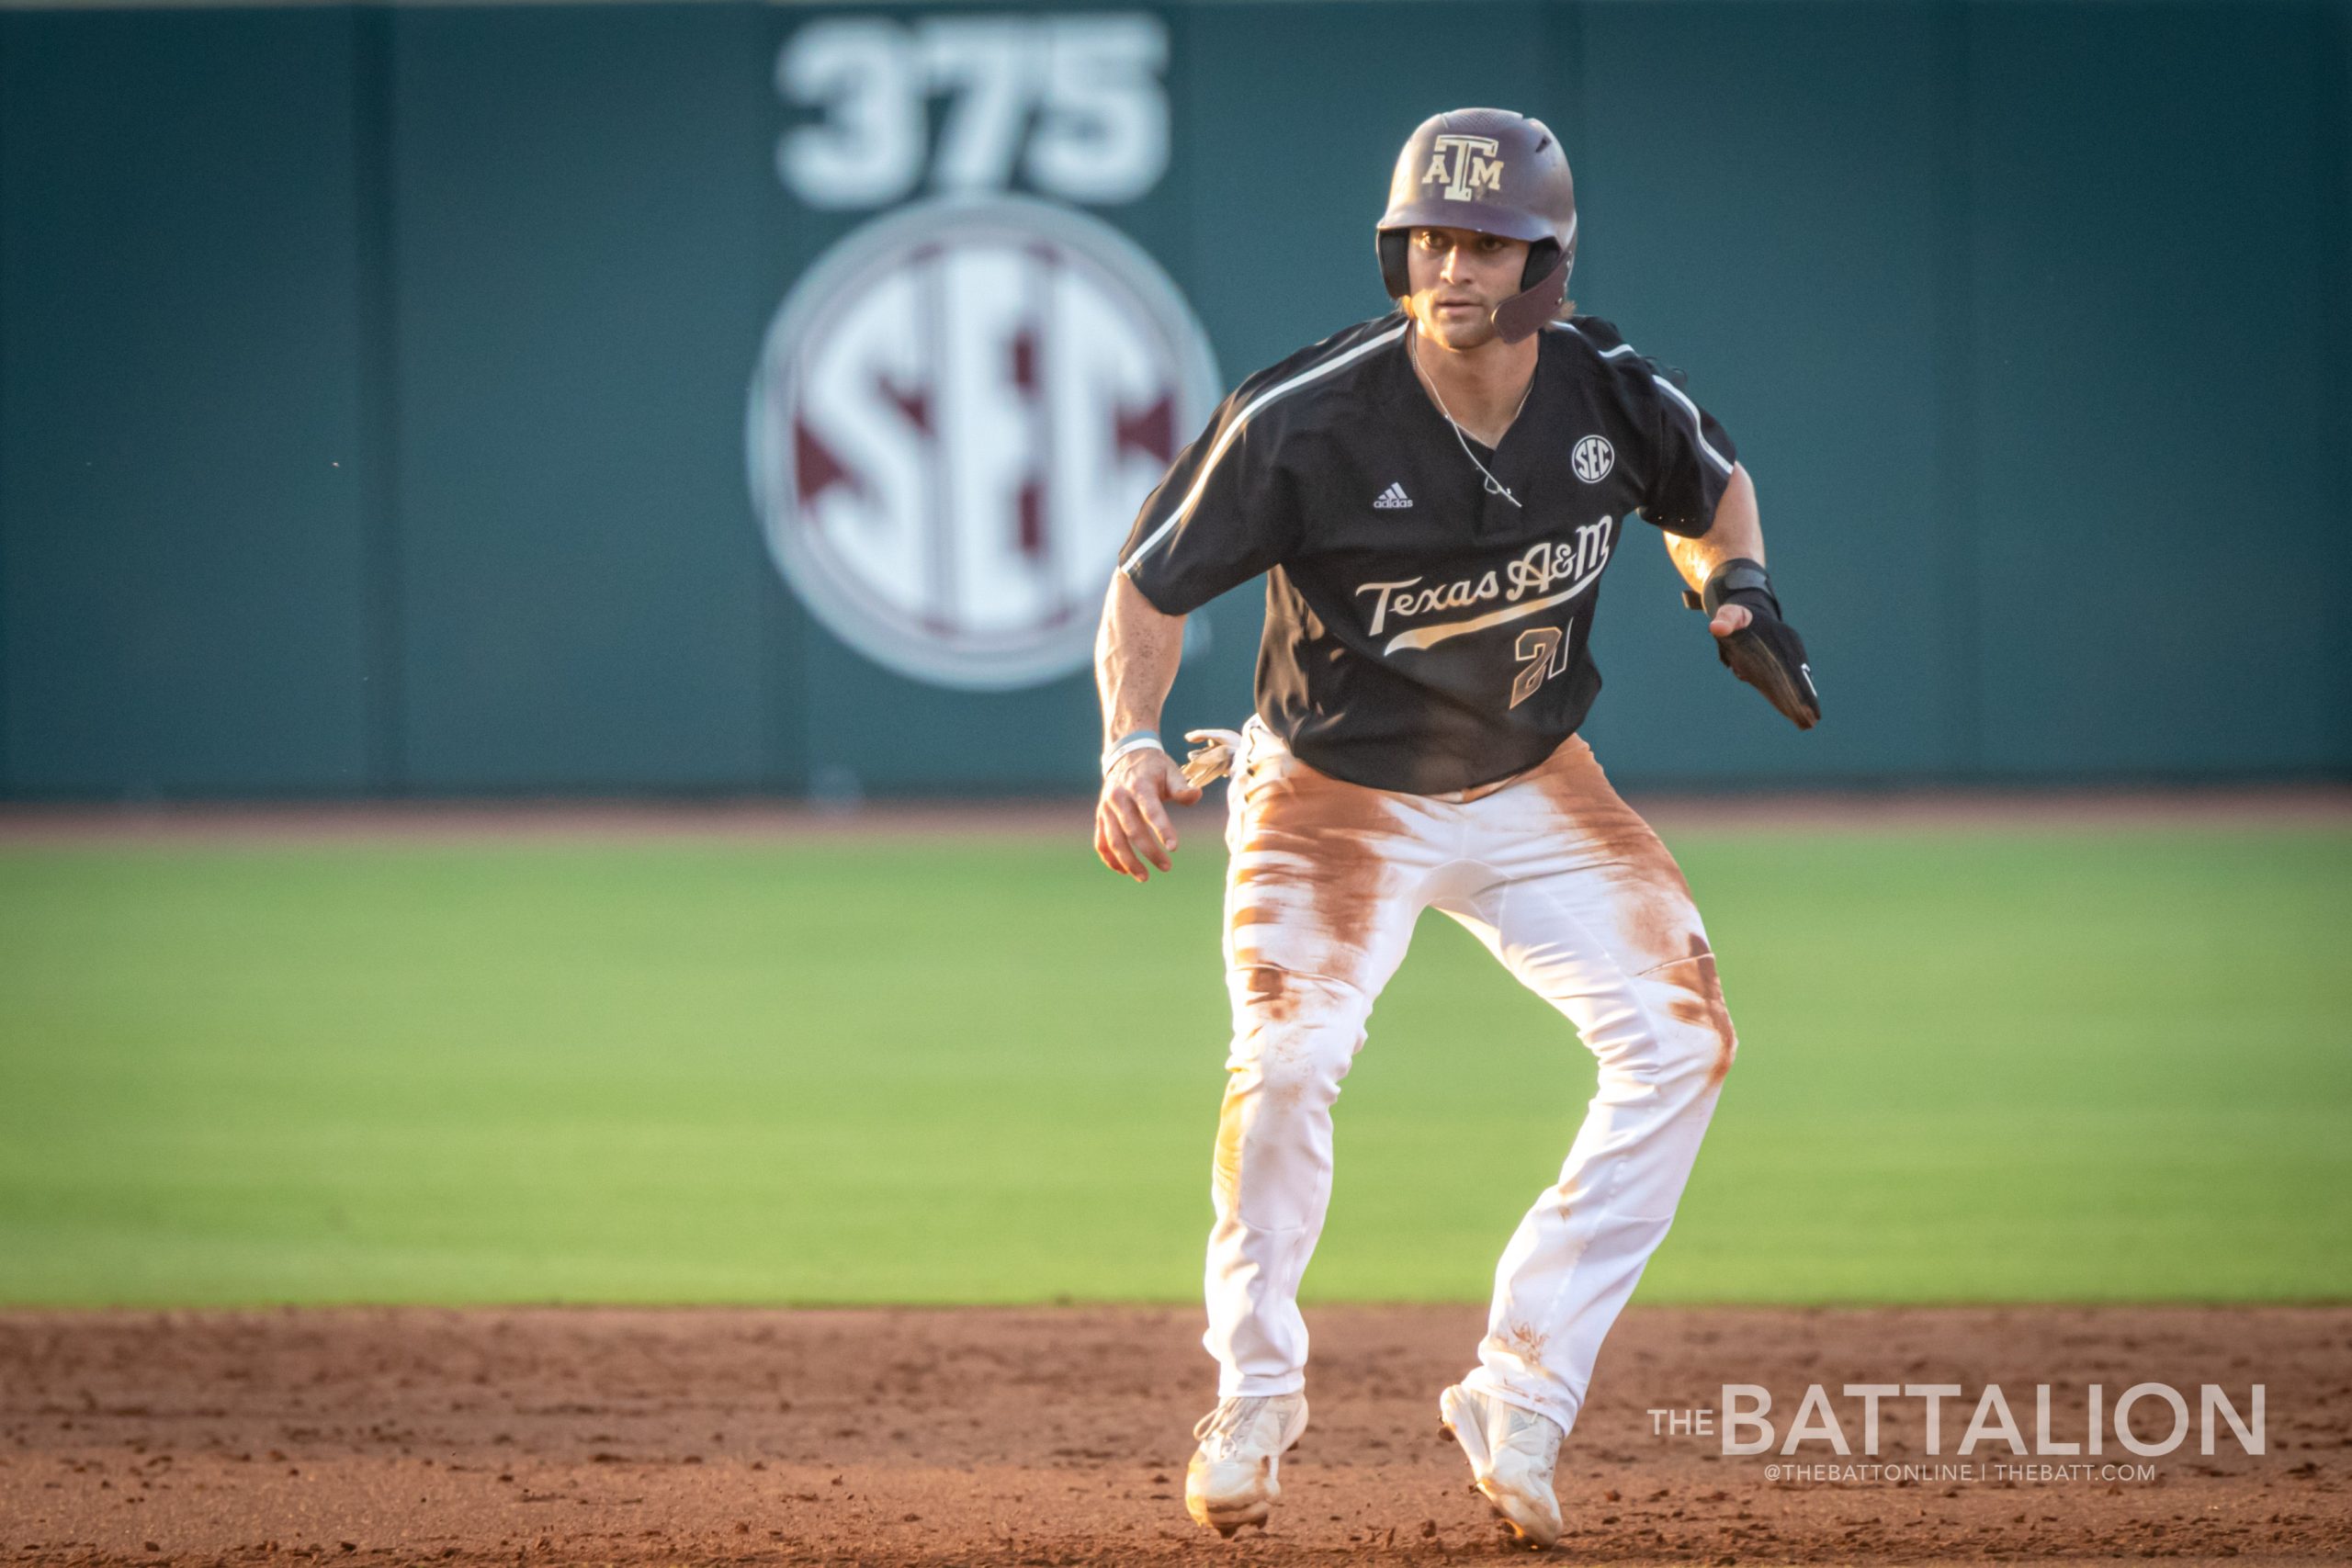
1424,633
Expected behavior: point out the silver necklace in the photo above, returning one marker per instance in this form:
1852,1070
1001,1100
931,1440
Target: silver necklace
1494,485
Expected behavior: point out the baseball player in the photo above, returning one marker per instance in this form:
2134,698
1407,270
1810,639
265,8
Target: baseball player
1433,496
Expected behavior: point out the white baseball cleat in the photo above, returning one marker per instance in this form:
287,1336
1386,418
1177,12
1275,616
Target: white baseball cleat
1511,1454
1235,1475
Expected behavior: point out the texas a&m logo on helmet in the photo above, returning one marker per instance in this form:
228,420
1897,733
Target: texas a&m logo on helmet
1465,165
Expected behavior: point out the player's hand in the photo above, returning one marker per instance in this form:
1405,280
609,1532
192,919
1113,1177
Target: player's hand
1132,827
1765,652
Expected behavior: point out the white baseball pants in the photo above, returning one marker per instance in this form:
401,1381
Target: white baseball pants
1576,895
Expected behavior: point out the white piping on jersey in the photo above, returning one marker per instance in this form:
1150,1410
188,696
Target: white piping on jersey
1429,637
1225,438
1698,428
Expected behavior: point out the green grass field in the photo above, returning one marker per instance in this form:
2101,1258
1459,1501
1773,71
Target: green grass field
1976,1066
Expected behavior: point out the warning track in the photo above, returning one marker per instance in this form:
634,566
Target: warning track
626,820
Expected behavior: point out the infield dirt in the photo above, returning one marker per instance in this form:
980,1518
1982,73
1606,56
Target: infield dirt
1059,1436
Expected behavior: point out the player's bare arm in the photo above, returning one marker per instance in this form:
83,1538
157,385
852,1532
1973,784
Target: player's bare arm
1737,531
1136,655
1725,568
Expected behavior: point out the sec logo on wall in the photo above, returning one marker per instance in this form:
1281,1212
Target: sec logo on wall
959,408
957,414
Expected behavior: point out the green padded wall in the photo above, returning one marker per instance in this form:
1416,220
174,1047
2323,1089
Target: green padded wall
373,381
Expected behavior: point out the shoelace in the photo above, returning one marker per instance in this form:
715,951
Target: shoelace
1222,1430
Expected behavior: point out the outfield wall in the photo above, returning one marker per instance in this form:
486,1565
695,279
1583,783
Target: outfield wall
373,381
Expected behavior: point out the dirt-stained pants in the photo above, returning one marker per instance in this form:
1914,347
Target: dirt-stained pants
1578,899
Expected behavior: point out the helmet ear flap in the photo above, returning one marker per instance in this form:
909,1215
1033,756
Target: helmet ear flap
1542,256
1525,313
1394,274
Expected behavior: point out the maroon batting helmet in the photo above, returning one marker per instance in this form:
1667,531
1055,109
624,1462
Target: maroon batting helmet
1498,173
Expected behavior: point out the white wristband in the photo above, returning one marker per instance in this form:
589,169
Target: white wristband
1141,740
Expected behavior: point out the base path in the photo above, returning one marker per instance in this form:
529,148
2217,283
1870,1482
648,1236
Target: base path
989,1437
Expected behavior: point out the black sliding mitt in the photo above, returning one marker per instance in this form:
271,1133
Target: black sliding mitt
1767,653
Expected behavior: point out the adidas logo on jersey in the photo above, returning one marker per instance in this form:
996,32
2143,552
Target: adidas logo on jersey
1392,499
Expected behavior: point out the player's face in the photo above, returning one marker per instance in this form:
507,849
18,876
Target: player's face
1459,276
